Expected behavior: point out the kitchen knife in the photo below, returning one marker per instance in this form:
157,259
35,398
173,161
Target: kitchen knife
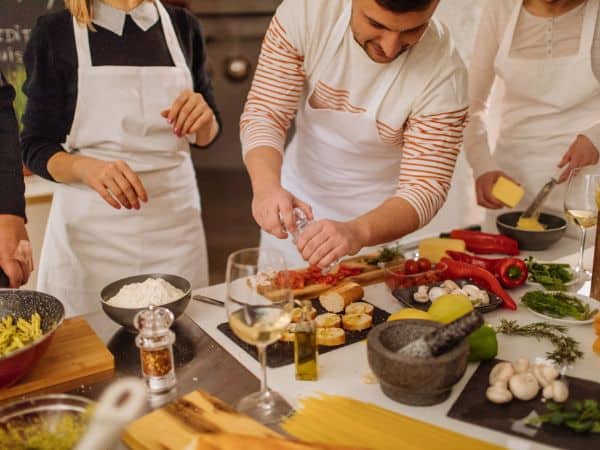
540,198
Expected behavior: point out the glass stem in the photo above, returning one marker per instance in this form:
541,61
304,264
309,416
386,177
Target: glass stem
262,357
581,250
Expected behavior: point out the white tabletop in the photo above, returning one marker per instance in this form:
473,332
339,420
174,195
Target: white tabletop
342,370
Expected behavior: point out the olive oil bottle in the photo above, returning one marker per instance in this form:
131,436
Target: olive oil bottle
305,346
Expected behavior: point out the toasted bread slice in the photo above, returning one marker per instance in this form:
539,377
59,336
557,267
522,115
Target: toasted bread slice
357,322
328,320
297,314
331,337
360,308
336,299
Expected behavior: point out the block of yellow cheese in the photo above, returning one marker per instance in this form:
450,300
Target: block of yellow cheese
507,192
435,249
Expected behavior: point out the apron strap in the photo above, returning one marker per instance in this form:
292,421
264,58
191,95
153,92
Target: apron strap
171,37
590,19
82,44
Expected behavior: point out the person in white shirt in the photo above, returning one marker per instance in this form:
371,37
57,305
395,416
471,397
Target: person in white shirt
546,54
378,95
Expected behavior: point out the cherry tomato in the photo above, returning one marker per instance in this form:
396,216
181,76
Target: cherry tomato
424,264
411,267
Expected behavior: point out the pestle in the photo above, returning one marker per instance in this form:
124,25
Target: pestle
443,339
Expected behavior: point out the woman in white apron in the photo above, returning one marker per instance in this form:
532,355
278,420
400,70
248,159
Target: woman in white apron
131,114
339,161
549,68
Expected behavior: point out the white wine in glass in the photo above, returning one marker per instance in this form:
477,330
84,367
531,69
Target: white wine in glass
581,207
258,319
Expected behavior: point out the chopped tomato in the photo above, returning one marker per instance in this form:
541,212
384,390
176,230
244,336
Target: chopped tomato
291,278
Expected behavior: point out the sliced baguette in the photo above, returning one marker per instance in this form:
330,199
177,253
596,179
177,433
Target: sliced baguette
360,308
331,336
336,299
297,314
357,322
328,320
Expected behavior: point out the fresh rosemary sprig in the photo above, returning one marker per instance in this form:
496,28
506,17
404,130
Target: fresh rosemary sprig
566,349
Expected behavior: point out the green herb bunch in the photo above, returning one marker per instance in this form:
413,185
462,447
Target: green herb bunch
579,416
566,349
552,276
558,305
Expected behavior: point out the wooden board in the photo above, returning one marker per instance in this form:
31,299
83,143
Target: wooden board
76,356
199,421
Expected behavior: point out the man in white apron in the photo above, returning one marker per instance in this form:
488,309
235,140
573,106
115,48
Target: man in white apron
379,94
549,117
122,114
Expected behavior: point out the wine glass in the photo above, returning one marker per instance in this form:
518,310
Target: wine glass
581,207
259,304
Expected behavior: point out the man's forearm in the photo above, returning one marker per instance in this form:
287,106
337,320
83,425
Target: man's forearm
264,168
392,220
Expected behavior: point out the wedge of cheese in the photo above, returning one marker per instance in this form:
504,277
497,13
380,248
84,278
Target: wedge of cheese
435,249
507,192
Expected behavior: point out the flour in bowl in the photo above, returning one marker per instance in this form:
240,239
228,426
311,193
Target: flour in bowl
153,291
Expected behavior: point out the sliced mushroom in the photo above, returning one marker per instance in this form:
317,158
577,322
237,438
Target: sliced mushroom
501,373
436,292
421,295
524,386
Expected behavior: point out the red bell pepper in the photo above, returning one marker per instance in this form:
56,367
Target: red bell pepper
458,269
486,243
512,272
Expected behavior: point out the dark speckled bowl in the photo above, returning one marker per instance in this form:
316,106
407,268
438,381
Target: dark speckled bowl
124,316
529,239
413,381
22,304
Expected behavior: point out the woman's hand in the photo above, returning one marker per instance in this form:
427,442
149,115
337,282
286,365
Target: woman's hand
581,153
273,211
16,258
326,241
190,114
483,188
113,180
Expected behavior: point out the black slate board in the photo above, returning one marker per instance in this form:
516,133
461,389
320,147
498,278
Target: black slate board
282,353
472,407
405,296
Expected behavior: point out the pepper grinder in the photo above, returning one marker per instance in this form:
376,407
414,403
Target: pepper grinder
155,341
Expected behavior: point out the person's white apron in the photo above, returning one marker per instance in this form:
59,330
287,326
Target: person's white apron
547,103
88,243
336,161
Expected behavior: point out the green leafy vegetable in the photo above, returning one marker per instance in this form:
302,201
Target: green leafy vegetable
386,254
552,276
566,349
558,305
581,417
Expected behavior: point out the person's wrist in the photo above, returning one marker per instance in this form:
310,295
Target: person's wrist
361,232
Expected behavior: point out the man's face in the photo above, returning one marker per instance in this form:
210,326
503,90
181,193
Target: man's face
385,35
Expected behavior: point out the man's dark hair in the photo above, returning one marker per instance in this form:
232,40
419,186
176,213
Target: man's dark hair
402,6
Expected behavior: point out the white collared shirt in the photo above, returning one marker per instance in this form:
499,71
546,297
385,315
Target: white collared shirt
144,15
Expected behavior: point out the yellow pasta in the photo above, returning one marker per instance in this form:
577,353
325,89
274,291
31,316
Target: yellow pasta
17,334
336,420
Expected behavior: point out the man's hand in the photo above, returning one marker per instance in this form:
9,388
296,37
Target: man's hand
581,153
325,241
272,210
115,181
483,189
15,252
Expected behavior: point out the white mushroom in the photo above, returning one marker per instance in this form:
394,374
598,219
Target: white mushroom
471,290
545,374
521,365
450,285
485,298
557,390
421,295
501,372
458,292
524,386
436,292
498,394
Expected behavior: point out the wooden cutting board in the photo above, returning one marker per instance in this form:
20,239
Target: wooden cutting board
75,356
199,421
